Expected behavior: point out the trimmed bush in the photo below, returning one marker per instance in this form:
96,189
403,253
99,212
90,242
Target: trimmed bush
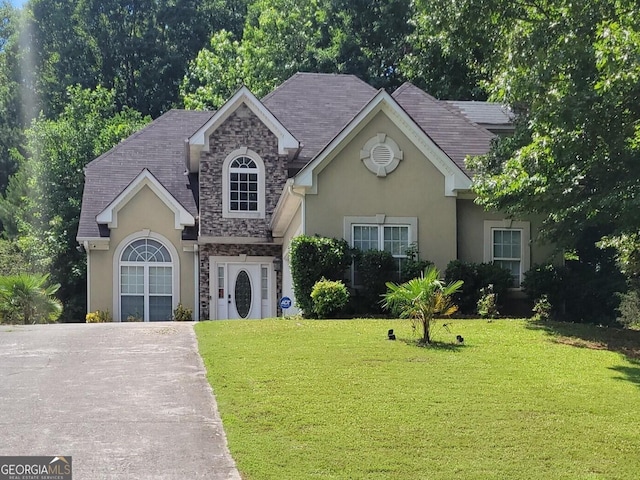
477,276
328,297
376,268
314,258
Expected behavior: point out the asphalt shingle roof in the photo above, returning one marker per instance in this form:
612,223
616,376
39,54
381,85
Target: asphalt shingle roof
158,147
315,107
444,124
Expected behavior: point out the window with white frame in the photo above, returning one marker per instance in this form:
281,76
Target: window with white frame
243,185
507,245
146,281
393,238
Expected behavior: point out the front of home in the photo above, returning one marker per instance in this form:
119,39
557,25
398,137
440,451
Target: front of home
199,208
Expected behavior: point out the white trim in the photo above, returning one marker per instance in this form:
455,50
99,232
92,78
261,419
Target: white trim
175,261
285,210
89,243
381,219
199,141
525,241
455,178
109,215
226,211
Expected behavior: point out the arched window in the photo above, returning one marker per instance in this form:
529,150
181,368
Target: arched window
146,281
243,185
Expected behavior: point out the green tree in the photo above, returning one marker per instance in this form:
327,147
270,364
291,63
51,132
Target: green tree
27,299
571,70
48,213
421,300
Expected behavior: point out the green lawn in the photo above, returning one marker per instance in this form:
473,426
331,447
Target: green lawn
334,399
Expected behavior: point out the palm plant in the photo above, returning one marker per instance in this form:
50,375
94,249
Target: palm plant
421,300
27,299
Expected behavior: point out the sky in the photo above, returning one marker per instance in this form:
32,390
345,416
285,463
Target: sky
17,3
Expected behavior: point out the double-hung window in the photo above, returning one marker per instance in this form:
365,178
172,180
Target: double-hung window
390,238
507,245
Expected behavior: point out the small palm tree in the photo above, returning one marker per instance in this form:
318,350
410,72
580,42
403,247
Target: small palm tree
422,299
26,299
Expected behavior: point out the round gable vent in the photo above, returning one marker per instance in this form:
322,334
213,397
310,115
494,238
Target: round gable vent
381,155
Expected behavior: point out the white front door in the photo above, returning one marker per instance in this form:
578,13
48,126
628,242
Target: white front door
241,289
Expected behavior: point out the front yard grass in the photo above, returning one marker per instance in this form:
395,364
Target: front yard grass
336,400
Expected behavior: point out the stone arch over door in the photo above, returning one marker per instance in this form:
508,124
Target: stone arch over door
146,278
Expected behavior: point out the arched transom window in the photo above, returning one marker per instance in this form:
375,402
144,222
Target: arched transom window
146,281
243,185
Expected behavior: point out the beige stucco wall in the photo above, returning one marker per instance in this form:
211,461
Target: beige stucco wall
145,211
471,218
415,189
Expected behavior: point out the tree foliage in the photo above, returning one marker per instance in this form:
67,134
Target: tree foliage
42,205
572,72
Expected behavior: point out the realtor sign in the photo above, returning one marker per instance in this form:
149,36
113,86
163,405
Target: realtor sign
35,468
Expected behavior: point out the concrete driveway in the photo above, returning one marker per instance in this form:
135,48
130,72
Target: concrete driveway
125,400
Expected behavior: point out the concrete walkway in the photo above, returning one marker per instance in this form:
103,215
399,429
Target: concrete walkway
125,400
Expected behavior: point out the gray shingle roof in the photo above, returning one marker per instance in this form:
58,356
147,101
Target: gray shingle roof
158,147
444,124
315,107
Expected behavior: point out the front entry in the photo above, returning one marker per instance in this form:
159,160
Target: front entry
241,289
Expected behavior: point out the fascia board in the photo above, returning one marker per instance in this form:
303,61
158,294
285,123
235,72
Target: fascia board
109,215
286,141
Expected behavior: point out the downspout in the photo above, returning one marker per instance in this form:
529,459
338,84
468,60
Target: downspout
85,244
302,206
196,281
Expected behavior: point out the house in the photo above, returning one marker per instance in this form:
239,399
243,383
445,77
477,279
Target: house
200,207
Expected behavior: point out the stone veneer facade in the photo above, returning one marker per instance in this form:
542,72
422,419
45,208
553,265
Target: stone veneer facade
241,129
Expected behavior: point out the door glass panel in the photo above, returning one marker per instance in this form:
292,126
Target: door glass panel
243,294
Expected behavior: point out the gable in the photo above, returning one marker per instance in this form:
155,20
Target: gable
109,216
199,141
455,178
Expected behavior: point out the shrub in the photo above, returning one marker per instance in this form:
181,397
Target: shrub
328,297
477,276
27,299
313,258
488,303
99,316
375,268
182,313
